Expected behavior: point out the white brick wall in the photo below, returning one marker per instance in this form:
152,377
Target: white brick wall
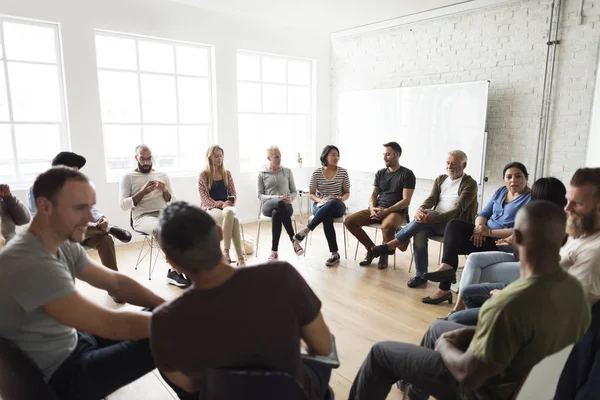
505,44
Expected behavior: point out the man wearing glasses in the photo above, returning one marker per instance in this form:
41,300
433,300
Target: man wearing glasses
146,192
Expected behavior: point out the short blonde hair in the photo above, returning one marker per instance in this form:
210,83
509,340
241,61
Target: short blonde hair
460,154
272,149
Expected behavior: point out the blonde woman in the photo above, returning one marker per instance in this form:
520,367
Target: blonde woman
217,197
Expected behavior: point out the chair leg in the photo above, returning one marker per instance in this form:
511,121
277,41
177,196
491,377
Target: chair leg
345,245
140,258
150,263
440,254
257,239
412,256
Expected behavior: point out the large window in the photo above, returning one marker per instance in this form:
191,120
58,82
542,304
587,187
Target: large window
155,92
274,108
33,125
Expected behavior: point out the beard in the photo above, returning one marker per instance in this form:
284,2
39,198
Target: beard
579,225
144,168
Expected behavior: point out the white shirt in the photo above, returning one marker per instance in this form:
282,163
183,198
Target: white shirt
448,194
133,182
581,258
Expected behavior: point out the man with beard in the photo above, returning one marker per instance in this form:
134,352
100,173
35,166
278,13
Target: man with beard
453,196
581,257
392,191
146,192
84,350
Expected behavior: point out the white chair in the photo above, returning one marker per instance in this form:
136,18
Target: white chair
263,218
543,378
151,245
339,220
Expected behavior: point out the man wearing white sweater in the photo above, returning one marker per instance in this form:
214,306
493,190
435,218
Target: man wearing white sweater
146,192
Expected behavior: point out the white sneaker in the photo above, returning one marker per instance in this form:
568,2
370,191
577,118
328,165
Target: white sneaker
297,248
273,256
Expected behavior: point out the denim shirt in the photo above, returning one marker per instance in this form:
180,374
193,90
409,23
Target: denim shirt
501,215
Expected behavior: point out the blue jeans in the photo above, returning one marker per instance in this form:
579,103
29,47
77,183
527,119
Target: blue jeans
490,266
98,367
325,215
420,232
474,296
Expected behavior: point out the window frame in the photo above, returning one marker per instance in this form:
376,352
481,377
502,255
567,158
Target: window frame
114,175
20,181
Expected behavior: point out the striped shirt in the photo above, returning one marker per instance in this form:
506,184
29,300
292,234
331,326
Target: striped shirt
326,188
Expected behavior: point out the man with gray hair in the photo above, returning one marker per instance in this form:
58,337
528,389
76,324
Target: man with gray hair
146,192
453,195
263,312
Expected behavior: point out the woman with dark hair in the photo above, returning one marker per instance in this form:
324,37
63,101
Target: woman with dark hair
494,222
498,267
329,188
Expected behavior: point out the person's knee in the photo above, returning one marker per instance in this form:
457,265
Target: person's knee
228,212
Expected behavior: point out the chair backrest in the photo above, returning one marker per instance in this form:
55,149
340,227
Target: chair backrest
234,384
543,378
20,378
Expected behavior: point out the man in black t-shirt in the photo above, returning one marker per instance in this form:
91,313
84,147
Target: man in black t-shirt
255,316
392,191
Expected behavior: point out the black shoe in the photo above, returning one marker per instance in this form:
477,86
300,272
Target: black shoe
383,262
368,260
447,297
438,276
381,250
416,281
176,279
121,234
333,260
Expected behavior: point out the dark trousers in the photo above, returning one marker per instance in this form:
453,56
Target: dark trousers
280,212
98,367
101,241
457,242
474,296
325,215
580,378
421,366
320,375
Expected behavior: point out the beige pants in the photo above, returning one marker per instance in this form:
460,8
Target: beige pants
231,228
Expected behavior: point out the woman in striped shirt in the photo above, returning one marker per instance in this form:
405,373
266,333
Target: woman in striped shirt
329,189
217,198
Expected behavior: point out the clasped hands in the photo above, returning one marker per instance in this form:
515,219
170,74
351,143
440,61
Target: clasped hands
423,216
155,184
459,338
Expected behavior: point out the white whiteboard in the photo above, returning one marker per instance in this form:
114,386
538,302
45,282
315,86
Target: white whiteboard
427,122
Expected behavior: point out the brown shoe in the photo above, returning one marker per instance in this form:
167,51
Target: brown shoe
383,262
368,259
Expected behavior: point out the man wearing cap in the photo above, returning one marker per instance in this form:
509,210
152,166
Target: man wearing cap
98,235
392,191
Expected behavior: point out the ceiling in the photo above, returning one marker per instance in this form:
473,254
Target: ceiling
326,16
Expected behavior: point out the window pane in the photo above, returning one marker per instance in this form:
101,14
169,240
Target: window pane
158,99
115,52
193,100
36,146
298,99
274,98
163,142
273,70
34,92
7,167
26,42
3,96
193,142
298,73
156,57
119,146
248,67
192,61
249,97
119,96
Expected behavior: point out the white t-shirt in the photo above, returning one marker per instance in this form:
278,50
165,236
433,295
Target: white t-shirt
132,182
448,194
581,258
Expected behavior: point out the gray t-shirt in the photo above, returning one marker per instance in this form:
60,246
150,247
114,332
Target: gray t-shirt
391,185
31,277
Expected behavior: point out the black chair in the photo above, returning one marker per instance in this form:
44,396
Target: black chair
234,384
20,378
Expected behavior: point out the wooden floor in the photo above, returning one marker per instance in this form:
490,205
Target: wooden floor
361,305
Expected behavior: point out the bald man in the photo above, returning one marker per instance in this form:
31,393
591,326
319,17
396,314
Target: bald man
516,329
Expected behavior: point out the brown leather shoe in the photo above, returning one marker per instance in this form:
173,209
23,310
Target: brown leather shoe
368,259
383,262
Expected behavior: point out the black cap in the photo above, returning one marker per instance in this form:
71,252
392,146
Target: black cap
69,159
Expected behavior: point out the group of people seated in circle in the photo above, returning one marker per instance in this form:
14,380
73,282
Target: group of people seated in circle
530,287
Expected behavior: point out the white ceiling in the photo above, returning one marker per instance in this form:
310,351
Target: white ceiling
320,15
